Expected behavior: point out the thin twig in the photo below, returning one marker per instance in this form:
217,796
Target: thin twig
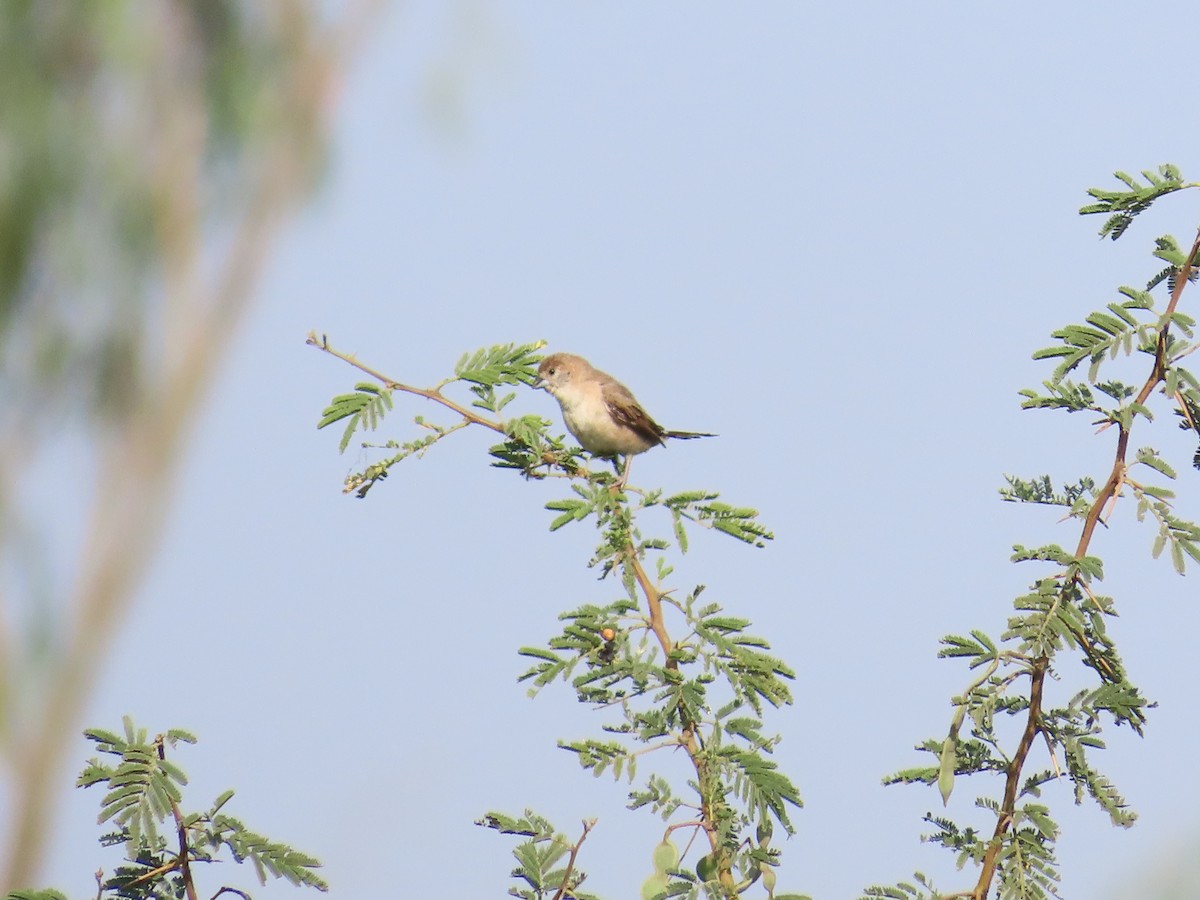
653,604
156,872
688,737
1013,779
185,868
587,827
697,828
987,673
1157,374
651,748
322,343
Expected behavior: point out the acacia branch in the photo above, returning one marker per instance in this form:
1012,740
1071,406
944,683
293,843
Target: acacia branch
1013,778
1157,374
588,824
322,343
653,604
1107,495
688,737
183,861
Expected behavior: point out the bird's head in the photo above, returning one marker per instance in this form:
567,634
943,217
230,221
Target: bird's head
558,370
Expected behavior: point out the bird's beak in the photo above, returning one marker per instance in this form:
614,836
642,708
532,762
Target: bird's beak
540,383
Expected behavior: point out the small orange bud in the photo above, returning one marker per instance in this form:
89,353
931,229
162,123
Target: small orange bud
608,633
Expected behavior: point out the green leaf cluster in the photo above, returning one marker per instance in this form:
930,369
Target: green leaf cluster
143,786
365,408
541,872
704,509
500,364
1076,498
81,231
701,508
161,842
1104,335
1121,206
664,704
920,888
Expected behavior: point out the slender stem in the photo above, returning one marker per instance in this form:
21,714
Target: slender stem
587,826
688,737
185,868
653,604
697,828
987,673
156,872
322,343
1013,779
1157,374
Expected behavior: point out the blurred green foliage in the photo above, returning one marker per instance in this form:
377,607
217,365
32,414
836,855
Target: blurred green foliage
96,97
148,152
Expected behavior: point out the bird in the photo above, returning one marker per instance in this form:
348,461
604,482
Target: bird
602,413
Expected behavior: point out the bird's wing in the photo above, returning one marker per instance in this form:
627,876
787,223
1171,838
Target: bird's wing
628,412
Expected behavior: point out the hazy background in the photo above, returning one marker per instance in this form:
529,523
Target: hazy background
832,234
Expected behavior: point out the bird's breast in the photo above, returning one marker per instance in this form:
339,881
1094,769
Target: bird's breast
597,431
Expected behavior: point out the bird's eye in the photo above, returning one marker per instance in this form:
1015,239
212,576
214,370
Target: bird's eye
552,371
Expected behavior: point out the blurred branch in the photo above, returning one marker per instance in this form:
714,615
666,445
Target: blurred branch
138,455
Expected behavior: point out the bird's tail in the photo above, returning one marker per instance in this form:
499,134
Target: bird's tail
687,435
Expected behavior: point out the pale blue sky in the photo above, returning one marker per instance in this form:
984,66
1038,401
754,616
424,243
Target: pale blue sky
830,233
